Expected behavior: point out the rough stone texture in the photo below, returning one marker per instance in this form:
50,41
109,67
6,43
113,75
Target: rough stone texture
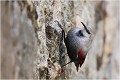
32,45
17,42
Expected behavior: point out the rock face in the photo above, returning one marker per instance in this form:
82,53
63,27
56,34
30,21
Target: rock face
17,42
32,44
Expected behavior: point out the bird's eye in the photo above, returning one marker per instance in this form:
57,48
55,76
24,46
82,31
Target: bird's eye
80,33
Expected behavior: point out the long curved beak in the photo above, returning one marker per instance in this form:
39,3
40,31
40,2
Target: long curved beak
85,28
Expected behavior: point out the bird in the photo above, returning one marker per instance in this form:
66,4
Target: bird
78,42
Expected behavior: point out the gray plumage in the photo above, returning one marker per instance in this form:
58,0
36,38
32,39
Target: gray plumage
78,39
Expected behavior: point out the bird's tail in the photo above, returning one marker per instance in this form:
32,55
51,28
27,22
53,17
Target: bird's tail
77,66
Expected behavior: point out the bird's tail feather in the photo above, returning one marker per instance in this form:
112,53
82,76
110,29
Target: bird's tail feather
77,66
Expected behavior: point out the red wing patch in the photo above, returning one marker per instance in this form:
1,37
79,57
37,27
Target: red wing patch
81,57
80,54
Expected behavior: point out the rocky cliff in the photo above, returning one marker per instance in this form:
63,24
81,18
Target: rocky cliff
32,45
